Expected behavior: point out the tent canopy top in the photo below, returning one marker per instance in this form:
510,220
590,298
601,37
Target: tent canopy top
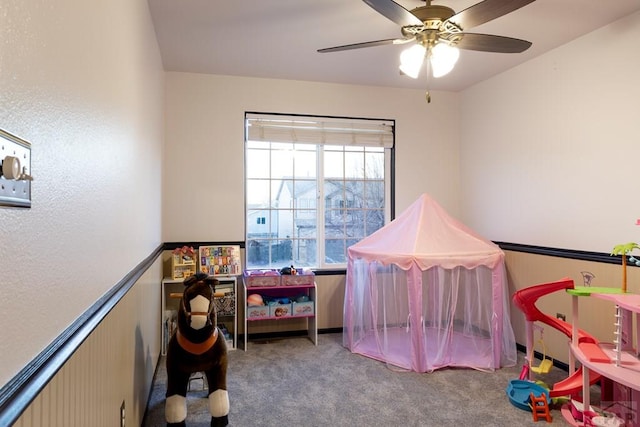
425,235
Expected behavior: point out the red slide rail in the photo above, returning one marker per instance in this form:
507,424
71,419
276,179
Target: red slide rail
525,299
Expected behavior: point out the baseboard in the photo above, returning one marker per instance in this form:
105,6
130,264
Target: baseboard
265,336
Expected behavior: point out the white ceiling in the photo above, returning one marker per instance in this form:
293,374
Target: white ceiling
280,38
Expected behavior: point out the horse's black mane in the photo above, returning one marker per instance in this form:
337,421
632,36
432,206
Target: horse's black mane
199,277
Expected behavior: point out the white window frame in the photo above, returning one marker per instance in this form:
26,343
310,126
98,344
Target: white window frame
317,130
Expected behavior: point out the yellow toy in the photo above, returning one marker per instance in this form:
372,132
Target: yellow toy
545,364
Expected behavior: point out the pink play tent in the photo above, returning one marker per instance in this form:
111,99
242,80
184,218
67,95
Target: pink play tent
426,292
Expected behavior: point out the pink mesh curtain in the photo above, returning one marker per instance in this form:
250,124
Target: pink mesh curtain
426,320
425,292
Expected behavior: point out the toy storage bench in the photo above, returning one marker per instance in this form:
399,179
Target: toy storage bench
305,309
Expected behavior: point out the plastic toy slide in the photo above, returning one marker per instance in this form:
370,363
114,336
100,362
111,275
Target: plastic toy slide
525,300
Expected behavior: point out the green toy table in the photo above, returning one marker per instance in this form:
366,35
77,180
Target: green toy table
585,291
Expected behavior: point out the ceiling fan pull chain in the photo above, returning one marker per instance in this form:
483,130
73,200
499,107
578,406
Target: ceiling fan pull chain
427,95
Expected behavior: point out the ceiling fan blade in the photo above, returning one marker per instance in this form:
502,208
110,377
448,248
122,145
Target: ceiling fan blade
365,44
492,43
486,11
394,12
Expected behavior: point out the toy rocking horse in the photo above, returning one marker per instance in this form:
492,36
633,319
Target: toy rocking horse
196,347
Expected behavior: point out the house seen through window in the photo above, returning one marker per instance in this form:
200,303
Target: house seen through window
314,186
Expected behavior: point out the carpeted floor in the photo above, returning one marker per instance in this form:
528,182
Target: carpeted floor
290,382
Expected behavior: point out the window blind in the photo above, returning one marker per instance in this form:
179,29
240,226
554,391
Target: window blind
319,130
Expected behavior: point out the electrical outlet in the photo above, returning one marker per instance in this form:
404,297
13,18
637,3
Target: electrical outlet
122,414
561,316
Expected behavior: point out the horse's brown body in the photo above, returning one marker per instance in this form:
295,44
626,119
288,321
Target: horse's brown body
197,350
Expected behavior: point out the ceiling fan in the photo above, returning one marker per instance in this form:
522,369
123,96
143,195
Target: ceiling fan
438,33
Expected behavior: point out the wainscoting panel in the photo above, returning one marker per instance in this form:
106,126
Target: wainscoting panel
331,297
115,364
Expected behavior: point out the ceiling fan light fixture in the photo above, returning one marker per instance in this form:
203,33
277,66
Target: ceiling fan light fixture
443,58
411,60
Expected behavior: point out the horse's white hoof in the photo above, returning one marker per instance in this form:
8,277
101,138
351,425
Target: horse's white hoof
219,403
175,409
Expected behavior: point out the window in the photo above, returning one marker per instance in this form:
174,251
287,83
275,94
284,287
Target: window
314,186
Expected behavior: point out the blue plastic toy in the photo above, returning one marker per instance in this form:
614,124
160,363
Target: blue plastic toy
519,391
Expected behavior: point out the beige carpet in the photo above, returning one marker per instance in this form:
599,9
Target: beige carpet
290,382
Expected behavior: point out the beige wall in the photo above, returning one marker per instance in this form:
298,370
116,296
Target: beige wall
83,82
547,155
549,148
205,136
205,144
